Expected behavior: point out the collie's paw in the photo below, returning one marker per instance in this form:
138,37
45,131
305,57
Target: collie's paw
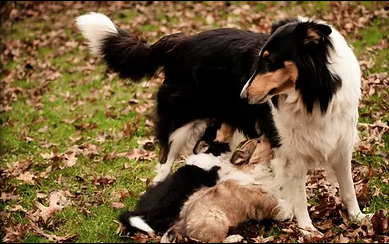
311,232
233,239
360,217
162,174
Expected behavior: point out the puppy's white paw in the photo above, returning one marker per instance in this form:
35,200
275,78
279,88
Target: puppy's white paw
233,239
168,237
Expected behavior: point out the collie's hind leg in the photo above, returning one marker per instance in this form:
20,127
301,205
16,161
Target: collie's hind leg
181,140
342,169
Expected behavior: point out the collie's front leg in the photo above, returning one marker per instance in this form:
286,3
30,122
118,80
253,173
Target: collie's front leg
290,178
342,169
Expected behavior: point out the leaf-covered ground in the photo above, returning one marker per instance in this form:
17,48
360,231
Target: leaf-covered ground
77,144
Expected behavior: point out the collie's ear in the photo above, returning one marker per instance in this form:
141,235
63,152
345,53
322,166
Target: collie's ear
312,32
282,22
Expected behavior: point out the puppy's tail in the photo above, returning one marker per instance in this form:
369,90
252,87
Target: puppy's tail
126,54
130,220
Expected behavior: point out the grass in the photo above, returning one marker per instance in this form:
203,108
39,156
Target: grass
75,104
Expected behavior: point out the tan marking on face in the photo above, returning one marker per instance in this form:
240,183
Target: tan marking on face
225,133
265,54
279,80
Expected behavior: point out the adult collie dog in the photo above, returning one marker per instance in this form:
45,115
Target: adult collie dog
299,85
204,75
311,76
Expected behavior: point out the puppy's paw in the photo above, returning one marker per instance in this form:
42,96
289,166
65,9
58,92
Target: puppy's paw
233,239
168,237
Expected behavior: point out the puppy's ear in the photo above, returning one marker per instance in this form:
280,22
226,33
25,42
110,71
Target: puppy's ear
200,147
310,32
240,157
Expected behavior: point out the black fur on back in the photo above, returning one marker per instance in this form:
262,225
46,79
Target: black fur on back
161,204
204,75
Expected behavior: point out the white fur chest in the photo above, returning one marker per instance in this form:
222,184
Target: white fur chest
315,138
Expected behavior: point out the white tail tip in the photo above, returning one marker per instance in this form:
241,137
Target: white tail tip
95,27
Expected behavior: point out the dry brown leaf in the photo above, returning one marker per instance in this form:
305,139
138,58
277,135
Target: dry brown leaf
140,154
342,239
103,180
27,177
380,222
18,167
45,173
14,234
6,196
50,237
117,205
47,155
57,201
43,129
69,160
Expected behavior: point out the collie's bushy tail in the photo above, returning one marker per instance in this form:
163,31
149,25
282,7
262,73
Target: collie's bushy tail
128,55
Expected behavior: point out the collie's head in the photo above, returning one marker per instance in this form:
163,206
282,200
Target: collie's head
295,59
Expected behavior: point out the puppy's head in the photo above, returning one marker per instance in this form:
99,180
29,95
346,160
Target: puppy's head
293,58
252,152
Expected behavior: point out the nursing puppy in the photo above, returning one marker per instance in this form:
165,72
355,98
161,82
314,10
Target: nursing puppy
160,205
211,211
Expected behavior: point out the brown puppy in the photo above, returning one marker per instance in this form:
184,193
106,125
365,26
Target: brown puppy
210,212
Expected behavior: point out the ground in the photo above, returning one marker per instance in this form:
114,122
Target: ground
77,144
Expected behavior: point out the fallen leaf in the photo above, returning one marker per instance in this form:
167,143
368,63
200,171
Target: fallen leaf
43,129
380,222
103,180
117,205
14,233
51,237
18,167
6,196
57,201
342,239
27,177
69,160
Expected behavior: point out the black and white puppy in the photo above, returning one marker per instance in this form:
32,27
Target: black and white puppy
160,205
